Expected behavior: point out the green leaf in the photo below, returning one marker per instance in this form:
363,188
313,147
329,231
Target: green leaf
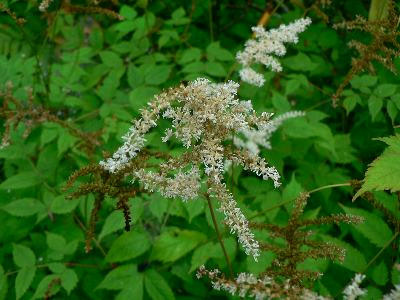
350,102
65,141
43,287
140,96
345,152
374,105
291,192
215,52
384,172
280,102
363,81
173,244
291,86
157,74
385,90
263,261
114,222
189,55
129,245
194,67
354,259
215,69
128,12
111,59
373,227
380,274
202,254
119,278
392,110
56,242
60,205
23,256
194,208
135,77
133,290
57,267
156,286
300,62
69,280
48,134
21,180
23,280
396,100
158,205
23,207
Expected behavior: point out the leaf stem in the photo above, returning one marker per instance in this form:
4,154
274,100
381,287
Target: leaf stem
380,252
329,186
221,242
288,201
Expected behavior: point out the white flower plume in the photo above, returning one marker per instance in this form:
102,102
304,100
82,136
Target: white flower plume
264,46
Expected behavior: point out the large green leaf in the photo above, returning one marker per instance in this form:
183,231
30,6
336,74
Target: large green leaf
23,256
115,221
156,286
21,180
373,227
129,245
23,207
69,280
24,280
384,172
202,254
175,243
354,259
119,278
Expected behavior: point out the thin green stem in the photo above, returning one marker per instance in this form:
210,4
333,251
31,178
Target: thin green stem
291,200
210,19
329,186
380,252
221,242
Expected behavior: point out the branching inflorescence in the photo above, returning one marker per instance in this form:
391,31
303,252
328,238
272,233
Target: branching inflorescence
30,114
204,115
92,8
264,46
283,278
383,47
256,138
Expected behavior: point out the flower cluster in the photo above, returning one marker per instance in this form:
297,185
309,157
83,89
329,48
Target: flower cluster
203,115
44,5
263,287
266,44
235,219
394,294
261,136
353,290
183,185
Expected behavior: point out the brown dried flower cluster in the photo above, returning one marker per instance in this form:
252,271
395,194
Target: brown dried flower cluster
19,21
92,8
283,278
30,114
383,47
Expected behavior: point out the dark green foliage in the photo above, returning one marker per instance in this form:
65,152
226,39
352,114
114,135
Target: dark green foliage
73,78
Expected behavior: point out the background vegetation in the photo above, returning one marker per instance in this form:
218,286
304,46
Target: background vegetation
81,71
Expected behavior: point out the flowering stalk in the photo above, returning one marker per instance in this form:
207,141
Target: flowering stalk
203,116
266,44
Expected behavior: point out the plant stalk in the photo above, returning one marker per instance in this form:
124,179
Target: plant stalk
221,242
